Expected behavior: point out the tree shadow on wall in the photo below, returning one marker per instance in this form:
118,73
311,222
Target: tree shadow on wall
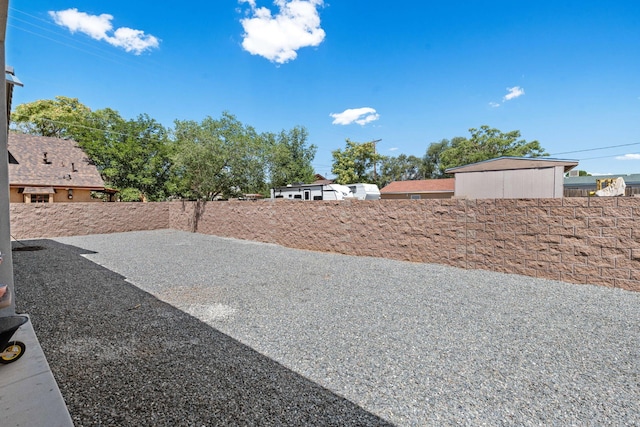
198,211
123,357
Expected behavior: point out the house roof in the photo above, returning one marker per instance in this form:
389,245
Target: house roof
319,179
420,186
512,163
50,162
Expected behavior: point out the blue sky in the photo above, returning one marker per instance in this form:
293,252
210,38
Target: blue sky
565,73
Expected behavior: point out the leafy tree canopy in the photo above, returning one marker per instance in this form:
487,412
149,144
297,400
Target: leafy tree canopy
356,163
432,159
400,168
217,158
488,143
224,158
129,154
146,161
49,117
289,157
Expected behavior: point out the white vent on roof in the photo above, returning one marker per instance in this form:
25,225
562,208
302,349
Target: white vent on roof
574,173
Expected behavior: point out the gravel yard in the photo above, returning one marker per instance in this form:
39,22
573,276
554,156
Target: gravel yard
173,328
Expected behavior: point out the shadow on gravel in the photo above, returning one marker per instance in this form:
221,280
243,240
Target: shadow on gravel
122,357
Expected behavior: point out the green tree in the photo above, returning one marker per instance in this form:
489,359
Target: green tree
217,158
49,117
289,157
139,158
131,155
355,164
400,168
98,135
488,143
432,167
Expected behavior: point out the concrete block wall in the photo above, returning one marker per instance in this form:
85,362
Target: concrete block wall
31,221
576,240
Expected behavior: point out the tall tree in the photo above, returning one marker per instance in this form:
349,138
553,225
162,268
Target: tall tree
355,164
290,157
98,136
431,161
139,158
217,158
401,168
50,117
488,143
131,155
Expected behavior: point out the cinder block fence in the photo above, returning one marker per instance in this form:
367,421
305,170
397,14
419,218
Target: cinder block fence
576,240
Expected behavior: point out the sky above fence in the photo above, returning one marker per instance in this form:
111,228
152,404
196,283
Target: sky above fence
407,74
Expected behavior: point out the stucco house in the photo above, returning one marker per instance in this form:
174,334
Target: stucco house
50,170
512,178
419,189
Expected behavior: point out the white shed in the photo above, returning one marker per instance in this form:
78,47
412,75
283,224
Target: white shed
512,178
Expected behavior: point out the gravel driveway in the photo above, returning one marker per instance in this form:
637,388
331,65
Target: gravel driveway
211,331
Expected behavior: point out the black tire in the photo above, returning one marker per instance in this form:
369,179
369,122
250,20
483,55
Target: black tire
12,352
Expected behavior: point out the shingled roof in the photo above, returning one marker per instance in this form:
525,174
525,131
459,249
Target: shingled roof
37,161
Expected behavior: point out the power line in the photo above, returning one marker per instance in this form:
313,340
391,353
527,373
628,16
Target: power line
69,45
596,149
602,157
48,30
115,56
105,131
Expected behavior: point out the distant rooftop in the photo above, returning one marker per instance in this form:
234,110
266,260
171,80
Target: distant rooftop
44,161
420,186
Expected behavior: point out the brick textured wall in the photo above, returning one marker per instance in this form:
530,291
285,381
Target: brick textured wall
577,240
30,221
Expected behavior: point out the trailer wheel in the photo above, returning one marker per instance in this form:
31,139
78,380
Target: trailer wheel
12,352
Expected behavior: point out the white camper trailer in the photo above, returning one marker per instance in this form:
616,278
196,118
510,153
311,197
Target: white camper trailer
312,192
365,191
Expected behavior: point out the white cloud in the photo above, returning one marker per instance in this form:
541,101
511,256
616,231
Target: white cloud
514,92
393,149
629,157
361,116
98,27
494,104
277,38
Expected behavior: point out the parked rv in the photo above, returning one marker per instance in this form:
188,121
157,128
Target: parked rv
312,192
365,191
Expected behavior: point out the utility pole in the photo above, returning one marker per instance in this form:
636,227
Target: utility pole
375,176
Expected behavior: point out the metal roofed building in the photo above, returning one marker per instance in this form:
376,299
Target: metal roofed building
512,178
